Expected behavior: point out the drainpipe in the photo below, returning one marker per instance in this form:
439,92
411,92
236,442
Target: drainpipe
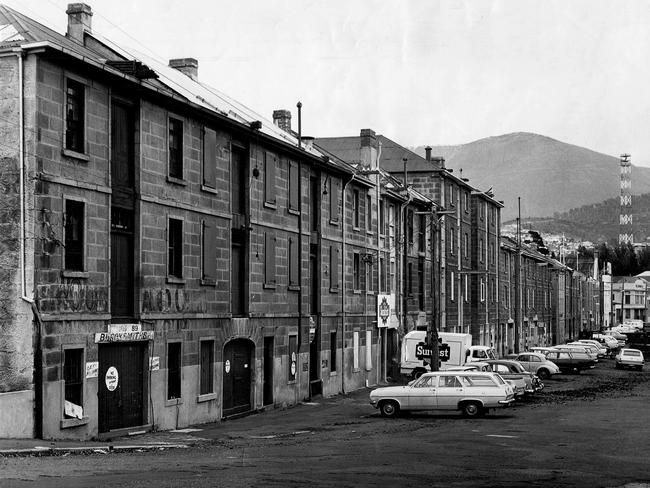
343,240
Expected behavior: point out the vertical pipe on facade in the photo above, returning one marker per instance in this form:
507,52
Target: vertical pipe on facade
378,197
343,240
21,184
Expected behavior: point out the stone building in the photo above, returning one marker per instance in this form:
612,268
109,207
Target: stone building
170,257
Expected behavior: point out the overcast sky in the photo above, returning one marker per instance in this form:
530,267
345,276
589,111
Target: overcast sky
420,72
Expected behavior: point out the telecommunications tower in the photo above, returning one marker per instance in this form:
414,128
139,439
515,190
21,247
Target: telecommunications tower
625,229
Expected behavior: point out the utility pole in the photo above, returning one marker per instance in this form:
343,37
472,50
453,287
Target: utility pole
518,279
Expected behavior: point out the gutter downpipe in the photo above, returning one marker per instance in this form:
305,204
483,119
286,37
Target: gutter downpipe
402,261
380,342
345,186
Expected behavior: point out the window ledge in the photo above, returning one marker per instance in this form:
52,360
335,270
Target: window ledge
272,205
334,373
69,423
269,286
356,292
291,382
208,282
176,181
356,228
209,189
334,290
334,222
173,402
356,370
293,211
176,280
294,288
206,397
75,274
370,233
75,155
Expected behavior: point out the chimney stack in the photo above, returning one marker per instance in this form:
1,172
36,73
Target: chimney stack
368,142
187,66
79,21
282,118
427,151
441,162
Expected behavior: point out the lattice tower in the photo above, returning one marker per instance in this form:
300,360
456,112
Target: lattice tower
625,228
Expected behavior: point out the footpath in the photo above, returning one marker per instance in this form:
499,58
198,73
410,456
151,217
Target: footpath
266,422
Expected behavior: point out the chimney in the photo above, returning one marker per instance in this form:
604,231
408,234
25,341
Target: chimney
441,162
282,118
427,151
79,21
368,148
187,66
308,141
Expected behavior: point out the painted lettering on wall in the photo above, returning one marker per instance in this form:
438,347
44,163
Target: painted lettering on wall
166,300
73,295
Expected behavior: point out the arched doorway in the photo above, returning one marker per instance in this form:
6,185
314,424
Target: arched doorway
238,356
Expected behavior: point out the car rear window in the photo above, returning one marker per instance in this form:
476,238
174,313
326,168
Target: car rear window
632,353
478,380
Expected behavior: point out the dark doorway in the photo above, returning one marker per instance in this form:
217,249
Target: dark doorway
268,370
237,357
315,383
121,392
122,256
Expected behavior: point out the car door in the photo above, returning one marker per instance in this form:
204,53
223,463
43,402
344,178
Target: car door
422,395
525,360
450,391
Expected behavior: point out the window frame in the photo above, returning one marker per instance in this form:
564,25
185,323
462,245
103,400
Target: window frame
172,248
208,278
67,246
175,155
68,421
79,150
204,396
169,399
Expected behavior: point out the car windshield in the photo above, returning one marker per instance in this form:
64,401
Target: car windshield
425,382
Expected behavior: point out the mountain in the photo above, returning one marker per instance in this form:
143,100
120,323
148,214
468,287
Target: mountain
550,176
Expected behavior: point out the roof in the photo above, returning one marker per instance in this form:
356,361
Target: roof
18,30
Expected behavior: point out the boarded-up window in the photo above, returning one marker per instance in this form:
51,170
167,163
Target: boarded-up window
173,370
333,346
334,201
176,148
334,268
294,262
269,258
270,165
294,186
356,272
209,253
293,357
209,158
207,367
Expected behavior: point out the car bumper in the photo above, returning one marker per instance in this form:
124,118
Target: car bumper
507,402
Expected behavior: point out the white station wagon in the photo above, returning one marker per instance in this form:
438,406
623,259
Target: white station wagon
473,393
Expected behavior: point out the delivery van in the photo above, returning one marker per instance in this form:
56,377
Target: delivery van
453,349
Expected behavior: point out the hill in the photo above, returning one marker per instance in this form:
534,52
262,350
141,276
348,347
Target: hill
550,176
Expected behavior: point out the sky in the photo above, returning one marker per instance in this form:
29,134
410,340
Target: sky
420,72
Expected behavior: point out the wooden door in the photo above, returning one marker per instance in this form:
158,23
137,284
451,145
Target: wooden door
237,377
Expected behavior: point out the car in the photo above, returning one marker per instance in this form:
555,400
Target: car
510,369
570,361
473,366
578,348
600,348
621,338
630,358
536,363
471,392
609,341
541,350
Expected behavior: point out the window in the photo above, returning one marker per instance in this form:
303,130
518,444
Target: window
409,279
481,250
382,218
422,233
369,213
452,240
293,358
334,269
409,227
74,116
466,201
384,275
452,200
269,259
421,284
209,253
333,351
270,165
368,350
173,370
207,367
393,279
465,244
356,272
334,200
355,209
452,286
73,378
355,350
175,243
74,235
294,262
209,158
294,186
482,290
466,287
391,221
368,276
481,207
175,148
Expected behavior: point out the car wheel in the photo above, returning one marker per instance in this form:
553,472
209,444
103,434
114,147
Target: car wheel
389,408
472,409
543,374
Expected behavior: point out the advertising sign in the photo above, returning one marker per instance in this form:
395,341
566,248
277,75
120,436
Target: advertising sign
386,317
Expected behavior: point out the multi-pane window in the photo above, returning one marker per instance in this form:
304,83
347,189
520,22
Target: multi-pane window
294,186
356,272
74,235
207,367
369,213
73,376
269,259
74,116
173,370
422,236
175,248
175,148
355,208
270,167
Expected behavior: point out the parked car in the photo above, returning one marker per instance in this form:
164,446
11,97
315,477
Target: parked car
583,348
510,369
630,358
620,337
541,350
609,341
570,361
536,362
474,366
473,393
600,348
